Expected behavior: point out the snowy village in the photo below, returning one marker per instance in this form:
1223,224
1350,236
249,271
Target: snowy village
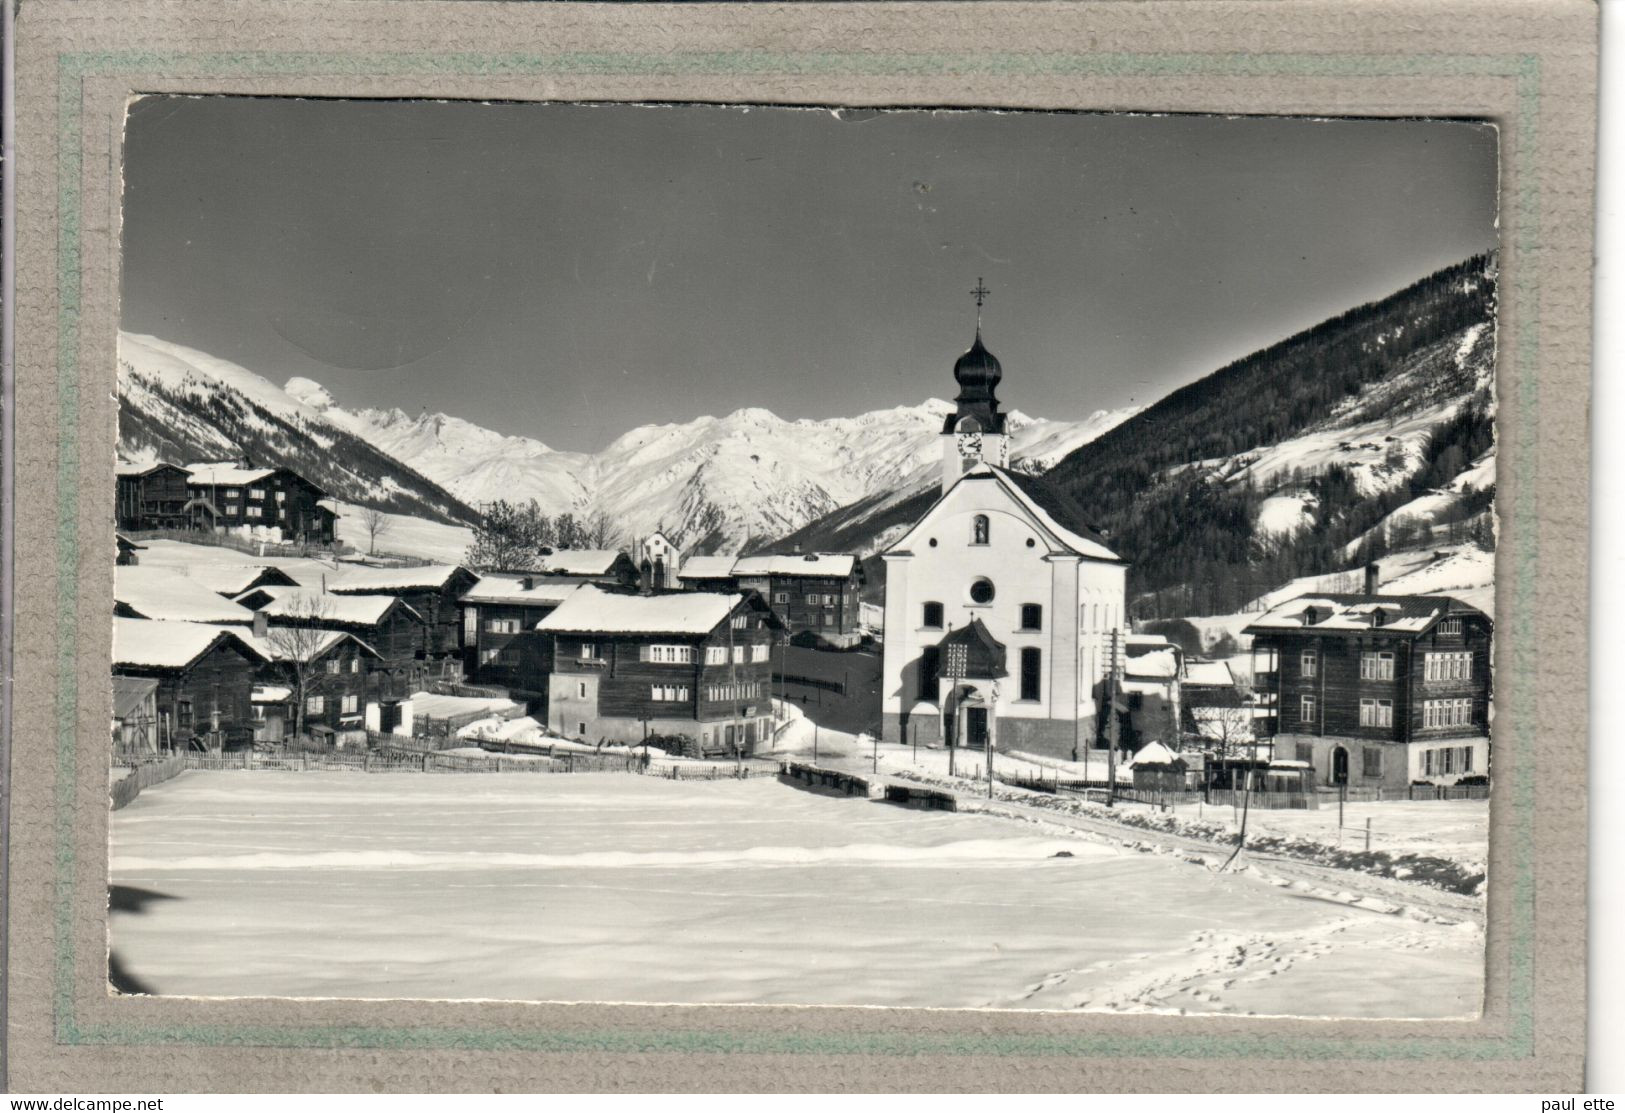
1181,707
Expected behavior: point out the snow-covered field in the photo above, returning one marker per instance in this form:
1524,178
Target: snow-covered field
615,887
406,536
1458,830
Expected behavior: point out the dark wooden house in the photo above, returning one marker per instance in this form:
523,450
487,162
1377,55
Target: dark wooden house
205,675
336,668
693,664
708,573
813,594
389,626
240,497
434,591
500,644
151,496
1377,690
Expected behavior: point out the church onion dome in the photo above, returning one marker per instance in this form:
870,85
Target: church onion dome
977,373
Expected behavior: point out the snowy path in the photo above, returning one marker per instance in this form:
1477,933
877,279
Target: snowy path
623,888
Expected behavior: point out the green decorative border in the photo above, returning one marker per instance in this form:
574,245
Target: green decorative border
1517,792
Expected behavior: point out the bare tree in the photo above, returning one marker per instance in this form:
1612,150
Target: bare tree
297,643
376,523
598,530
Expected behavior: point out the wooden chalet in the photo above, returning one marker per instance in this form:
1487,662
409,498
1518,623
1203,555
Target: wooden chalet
337,669
708,573
1376,690
386,624
434,591
151,497
227,497
605,567
692,664
812,593
500,644
205,676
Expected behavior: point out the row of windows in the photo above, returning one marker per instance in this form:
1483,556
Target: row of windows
1447,713
718,692
1448,666
502,626
816,600
1380,665
1032,616
669,693
1380,712
333,665
1449,759
667,654
348,705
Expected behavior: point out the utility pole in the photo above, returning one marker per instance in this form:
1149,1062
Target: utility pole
1111,726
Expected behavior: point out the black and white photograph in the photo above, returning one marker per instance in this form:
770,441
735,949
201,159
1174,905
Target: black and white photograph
763,555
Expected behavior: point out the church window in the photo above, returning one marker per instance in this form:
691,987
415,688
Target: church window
979,530
981,591
1031,667
968,425
1032,616
931,619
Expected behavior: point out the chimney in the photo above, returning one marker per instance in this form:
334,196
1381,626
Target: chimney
262,624
527,583
1372,571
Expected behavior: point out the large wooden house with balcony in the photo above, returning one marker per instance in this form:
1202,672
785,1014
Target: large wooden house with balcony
335,667
151,497
695,664
271,502
500,645
1376,690
814,594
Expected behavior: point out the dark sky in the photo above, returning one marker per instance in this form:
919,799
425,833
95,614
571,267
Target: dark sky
568,272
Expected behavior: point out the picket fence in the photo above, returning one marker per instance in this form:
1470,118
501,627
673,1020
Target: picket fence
129,786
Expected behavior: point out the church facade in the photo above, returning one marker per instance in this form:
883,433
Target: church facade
1001,601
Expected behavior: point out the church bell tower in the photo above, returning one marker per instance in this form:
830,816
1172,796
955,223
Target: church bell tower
974,432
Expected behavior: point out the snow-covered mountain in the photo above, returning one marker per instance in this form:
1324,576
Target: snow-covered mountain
186,406
714,482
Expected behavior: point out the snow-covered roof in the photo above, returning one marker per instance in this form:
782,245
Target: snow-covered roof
303,643
1209,674
270,693
496,587
124,469
1336,613
1154,753
1283,763
796,564
594,611
581,562
164,593
234,579
1052,512
1146,640
708,567
1158,664
226,474
324,607
351,581
142,643
429,705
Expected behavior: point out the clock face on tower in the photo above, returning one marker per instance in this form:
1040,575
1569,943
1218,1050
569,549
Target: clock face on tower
970,446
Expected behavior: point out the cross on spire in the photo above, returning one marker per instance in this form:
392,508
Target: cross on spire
980,294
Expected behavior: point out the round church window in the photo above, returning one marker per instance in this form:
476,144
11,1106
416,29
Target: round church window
933,542
981,591
1031,544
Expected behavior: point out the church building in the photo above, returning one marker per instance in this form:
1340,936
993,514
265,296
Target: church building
1001,601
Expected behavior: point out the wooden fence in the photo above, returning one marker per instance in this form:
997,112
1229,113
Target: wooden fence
129,786
1409,792
241,544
